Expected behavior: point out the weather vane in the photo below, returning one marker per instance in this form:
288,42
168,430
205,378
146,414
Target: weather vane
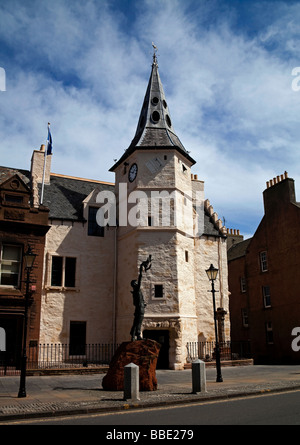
154,53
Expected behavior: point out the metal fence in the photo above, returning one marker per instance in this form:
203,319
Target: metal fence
228,350
63,356
50,356
45,356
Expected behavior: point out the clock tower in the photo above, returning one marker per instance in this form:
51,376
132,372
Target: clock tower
158,202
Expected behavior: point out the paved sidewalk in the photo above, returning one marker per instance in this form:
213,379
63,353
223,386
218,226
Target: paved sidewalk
75,394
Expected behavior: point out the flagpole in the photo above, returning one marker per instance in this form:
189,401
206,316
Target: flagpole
45,159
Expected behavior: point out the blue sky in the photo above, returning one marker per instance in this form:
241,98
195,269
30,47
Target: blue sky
226,70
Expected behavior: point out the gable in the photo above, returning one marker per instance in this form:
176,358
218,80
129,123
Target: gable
13,183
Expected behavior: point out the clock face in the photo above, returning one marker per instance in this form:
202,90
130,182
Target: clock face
132,172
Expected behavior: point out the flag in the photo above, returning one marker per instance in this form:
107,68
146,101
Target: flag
49,142
48,151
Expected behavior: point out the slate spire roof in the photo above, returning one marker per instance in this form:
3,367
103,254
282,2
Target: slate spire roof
155,128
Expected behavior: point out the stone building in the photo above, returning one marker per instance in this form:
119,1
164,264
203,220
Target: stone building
264,279
100,233
179,307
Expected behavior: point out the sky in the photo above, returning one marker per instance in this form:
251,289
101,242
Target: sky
229,72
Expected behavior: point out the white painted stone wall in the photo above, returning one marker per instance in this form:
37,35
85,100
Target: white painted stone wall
93,297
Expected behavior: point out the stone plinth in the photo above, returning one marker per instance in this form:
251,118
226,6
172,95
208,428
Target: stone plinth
144,354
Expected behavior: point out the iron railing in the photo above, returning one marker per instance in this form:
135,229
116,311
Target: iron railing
66,355
228,350
63,356
49,356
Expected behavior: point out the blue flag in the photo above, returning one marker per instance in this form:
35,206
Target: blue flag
49,143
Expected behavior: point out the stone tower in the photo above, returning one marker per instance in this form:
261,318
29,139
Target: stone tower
158,202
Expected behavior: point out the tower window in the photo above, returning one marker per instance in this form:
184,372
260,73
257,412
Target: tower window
158,291
168,120
155,116
155,100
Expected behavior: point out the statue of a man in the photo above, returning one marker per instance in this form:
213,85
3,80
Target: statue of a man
139,302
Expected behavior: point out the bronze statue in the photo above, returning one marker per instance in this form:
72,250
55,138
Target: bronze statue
139,302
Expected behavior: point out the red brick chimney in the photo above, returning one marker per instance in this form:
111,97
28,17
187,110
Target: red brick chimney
280,191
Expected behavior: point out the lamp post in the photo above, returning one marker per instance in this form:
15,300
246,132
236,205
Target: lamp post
29,258
212,273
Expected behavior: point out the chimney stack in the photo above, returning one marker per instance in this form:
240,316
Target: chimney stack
37,169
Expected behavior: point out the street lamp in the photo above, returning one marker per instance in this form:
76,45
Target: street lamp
29,258
212,274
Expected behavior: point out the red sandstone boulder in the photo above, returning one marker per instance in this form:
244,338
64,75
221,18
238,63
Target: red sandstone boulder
144,354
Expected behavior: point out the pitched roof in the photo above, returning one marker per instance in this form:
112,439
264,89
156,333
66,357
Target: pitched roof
65,194
238,250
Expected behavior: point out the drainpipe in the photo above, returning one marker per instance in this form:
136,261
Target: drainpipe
115,286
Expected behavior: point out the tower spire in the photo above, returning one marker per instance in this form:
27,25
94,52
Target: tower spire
155,128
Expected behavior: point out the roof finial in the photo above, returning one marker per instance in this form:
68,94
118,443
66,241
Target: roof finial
154,54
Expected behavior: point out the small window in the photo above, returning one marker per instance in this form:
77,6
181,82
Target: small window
70,271
168,120
158,291
150,221
155,116
14,199
269,333
56,271
63,271
93,227
263,261
186,256
10,270
245,318
243,285
266,296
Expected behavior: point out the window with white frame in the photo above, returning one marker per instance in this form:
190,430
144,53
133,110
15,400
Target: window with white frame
266,296
263,261
10,265
63,271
